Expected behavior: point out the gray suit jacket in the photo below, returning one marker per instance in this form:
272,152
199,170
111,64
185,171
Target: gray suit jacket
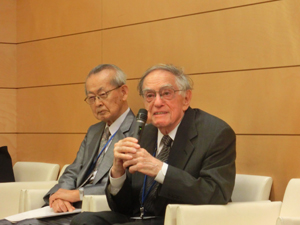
201,166
76,173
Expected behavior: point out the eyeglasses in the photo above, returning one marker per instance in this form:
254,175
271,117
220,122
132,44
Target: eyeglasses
92,99
166,93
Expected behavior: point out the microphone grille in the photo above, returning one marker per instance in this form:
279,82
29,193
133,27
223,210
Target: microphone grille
142,114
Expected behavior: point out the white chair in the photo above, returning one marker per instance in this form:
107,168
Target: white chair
251,188
234,213
290,210
33,198
95,203
10,194
247,188
27,175
35,171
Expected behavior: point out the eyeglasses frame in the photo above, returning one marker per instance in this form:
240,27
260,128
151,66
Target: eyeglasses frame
101,98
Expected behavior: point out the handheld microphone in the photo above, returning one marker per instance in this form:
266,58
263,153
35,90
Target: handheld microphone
141,119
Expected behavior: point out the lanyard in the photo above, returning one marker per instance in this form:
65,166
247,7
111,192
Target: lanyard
144,194
94,163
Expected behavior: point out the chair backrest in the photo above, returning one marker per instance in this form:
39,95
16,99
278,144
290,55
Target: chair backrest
62,170
291,199
251,188
35,171
234,213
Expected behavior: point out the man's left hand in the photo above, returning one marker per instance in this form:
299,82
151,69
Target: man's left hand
144,162
64,194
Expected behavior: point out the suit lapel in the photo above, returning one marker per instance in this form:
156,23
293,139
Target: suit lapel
182,147
92,152
109,155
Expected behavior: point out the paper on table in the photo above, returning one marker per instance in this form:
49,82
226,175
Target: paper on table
37,213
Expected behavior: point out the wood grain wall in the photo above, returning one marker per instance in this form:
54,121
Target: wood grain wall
8,77
243,56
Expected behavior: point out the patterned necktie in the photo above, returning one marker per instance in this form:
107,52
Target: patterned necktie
103,142
92,175
162,156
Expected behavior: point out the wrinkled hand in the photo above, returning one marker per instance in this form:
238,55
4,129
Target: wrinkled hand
129,154
65,195
123,151
59,205
144,162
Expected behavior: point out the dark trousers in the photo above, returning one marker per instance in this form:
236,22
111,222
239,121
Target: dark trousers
111,218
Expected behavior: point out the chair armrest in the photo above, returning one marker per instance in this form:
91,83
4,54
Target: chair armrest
246,213
288,221
94,203
171,214
10,195
32,199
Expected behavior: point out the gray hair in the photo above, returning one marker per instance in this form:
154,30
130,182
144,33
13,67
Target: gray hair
183,82
119,78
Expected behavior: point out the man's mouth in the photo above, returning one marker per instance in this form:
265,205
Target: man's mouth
159,113
101,112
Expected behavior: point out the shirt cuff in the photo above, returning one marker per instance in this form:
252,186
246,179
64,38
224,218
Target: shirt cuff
116,183
160,177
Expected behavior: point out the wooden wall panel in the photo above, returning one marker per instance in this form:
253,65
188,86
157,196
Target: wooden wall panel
8,72
10,140
235,39
44,19
58,61
53,109
59,109
148,10
275,156
8,109
8,21
252,102
51,148
243,55
235,97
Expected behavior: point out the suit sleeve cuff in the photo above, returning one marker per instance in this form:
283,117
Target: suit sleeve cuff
160,177
116,183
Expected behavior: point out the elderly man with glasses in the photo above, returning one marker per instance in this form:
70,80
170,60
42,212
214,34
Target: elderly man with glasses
185,156
106,93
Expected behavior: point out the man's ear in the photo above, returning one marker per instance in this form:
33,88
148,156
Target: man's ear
124,91
187,100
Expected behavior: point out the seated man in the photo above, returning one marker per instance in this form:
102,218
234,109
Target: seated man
106,93
186,156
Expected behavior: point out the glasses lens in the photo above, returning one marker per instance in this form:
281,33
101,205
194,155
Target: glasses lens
167,93
103,95
90,100
149,95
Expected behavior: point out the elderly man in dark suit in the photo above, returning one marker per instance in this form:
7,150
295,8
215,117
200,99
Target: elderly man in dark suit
185,156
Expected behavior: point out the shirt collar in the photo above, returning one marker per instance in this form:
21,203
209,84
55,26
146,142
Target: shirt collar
172,135
116,125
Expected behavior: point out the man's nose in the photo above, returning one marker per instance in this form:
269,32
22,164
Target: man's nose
158,99
98,101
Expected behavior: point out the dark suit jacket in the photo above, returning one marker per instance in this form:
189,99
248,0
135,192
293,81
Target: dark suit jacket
76,173
6,168
201,166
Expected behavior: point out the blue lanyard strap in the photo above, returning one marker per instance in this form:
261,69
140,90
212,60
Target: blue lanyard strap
104,147
145,195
